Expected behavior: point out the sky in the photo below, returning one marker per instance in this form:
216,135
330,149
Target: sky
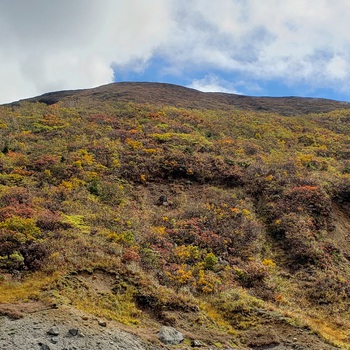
250,47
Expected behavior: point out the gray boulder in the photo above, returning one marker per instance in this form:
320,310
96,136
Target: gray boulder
169,335
53,331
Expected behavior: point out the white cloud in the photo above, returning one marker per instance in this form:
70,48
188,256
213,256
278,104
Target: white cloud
53,45
212,83
302,40
338,68
48,45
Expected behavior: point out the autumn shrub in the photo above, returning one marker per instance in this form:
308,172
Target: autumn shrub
180,275
297,219
49,220
103,119
193,232
13,262
298,236
341,190
150,258
26,227
133,165
104,152
313,200
207,282
329,288
15,195
35,255
202,168
10,242
237,306
16,201
44,162
131,254
18,159
94,187
210,261
21,247
251,274
186,254
16,210
113,192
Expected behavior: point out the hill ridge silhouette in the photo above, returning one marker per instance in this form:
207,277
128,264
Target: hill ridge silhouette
184,97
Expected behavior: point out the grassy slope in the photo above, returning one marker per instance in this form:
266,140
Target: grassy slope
253,233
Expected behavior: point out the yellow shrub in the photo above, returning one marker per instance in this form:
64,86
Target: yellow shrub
187,253
268,263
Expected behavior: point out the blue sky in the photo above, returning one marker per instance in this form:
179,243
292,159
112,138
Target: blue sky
229,82
251,47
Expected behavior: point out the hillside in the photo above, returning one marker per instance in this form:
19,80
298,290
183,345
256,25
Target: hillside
143,204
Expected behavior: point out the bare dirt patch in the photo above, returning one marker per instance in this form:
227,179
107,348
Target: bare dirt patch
99,281
16,311
341,232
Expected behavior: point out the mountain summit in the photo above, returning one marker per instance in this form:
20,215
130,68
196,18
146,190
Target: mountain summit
182,97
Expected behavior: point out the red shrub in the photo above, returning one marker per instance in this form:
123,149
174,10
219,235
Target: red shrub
130,254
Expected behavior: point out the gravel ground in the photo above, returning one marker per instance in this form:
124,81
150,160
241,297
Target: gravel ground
65,330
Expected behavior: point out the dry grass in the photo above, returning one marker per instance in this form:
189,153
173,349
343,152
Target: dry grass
334,333
31,288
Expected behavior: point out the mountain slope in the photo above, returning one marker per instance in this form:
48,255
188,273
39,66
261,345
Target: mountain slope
151,205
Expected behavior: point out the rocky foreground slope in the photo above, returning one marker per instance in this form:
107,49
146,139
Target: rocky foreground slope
65,328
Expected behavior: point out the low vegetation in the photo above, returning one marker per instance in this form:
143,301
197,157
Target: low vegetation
142,212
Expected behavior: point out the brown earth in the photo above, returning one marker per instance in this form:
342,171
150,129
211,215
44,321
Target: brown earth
341,232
